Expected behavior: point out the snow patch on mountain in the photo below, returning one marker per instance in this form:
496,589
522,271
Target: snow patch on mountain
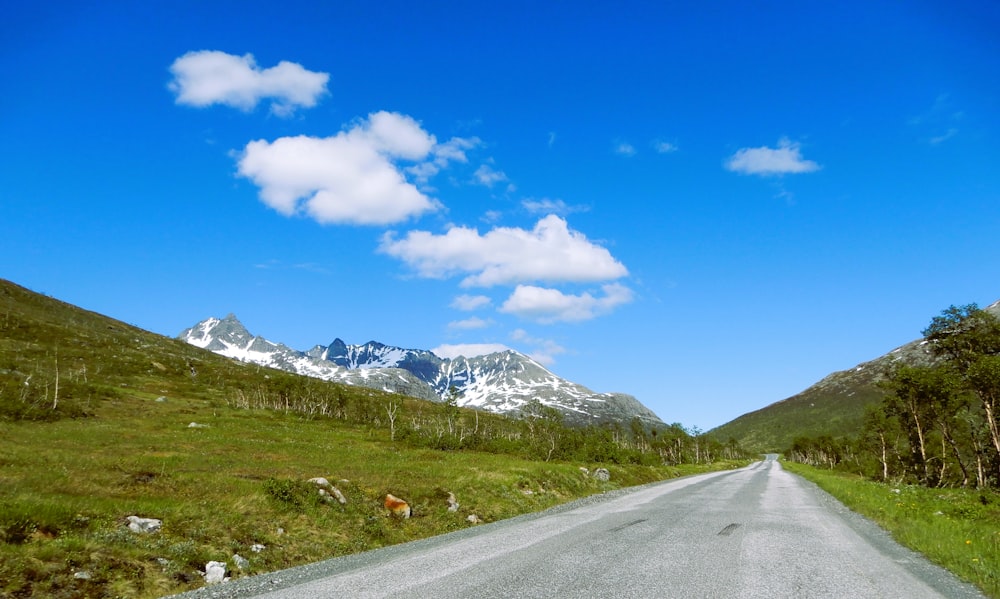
502,382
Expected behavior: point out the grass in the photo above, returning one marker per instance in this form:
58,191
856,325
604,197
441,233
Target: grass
958,529
95,421
67,486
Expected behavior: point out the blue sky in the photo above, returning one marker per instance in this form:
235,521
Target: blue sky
707,208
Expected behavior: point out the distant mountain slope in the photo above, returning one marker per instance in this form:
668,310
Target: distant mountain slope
502,382
834,406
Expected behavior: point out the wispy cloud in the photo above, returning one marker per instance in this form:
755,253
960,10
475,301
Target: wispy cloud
350,178
550,252
943,137
547,306
543,351
940,122
664,147
468,303
785,159
209,77
469,324
468,350
488,176
623,148
548,206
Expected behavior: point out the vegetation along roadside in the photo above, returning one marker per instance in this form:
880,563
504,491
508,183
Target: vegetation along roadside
102,421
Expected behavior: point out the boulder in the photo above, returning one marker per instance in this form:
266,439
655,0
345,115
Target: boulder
215,572
602,474
452,503
143,525
396,506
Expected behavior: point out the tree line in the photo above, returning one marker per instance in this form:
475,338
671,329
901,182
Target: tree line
937,424
537,432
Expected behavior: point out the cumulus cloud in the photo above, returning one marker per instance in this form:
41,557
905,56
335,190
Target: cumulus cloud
350,178
209,77
550,252
468,303
551,305
468,350
785,159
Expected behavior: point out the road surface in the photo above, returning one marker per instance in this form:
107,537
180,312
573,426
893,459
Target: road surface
754,532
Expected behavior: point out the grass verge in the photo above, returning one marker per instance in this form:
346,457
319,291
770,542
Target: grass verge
958,529
233,484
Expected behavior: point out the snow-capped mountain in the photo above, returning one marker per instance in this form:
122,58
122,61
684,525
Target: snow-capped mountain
501,382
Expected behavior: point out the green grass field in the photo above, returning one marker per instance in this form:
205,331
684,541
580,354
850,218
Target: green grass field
958,529
67,486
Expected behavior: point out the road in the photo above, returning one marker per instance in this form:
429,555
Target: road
754,532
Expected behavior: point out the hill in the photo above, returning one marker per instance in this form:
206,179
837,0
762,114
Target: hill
834,406
103,423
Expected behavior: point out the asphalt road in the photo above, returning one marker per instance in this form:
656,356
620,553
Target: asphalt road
754,532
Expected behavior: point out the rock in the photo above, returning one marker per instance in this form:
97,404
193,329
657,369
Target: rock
328,491
257,547
81,575
196,425
241,562
452,503
396,506
161,399
215,572
602,474
143,525
473,519
584,471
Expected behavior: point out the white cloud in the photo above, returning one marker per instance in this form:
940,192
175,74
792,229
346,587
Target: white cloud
547,206
785,159
625,149
470,324
488,176
664,147
468,303
551,305
543,351
443,154
952,132
209,77
349,178
469,350
550,252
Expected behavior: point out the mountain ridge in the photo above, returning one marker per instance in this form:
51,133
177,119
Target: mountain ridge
501,382
832,406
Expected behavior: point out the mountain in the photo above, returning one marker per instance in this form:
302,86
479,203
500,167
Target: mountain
834,406
502,382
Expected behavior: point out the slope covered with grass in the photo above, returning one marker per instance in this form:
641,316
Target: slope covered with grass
101,420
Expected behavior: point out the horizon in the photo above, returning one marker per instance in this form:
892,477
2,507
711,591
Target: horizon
709,209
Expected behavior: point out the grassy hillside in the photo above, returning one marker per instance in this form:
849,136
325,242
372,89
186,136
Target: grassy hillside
96,419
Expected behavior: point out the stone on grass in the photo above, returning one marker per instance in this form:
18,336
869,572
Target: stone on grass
452,503
257,547
602,474
396,506
473,519
241,562
143,525
215,572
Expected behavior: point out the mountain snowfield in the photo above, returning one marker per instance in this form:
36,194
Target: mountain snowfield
501,382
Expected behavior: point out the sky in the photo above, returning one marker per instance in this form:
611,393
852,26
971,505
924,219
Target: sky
709,206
